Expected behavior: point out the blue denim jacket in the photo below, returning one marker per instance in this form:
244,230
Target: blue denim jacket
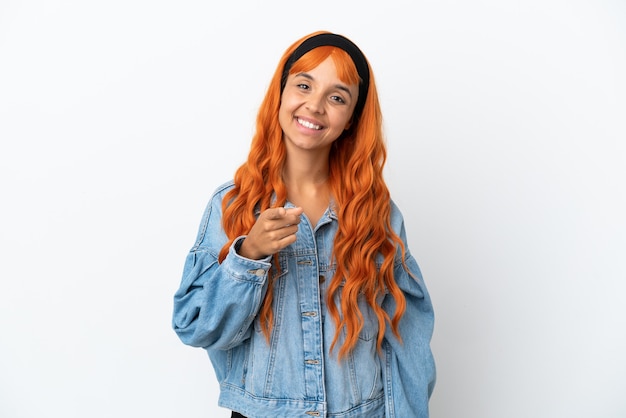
295,374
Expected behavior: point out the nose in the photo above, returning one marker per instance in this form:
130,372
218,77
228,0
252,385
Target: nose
315,103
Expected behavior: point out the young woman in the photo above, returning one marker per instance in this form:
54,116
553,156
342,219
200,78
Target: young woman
300,285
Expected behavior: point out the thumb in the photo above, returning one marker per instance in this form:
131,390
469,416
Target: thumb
275,213
294,211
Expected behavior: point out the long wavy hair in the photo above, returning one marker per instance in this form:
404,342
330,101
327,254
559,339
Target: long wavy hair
361,197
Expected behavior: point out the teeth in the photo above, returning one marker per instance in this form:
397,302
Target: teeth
308,124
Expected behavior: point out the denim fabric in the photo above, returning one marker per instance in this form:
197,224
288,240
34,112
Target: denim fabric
295,374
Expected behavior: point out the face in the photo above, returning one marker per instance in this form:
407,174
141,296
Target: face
316,107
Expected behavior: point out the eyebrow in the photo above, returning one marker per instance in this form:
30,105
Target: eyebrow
341,87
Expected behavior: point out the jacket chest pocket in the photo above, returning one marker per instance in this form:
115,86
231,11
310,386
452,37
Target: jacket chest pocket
369,330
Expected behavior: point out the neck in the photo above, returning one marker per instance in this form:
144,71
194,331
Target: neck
303,172
307,187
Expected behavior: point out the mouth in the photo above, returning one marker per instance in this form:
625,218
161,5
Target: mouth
308,124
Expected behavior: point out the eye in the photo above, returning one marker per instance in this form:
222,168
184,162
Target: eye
338,99
303,86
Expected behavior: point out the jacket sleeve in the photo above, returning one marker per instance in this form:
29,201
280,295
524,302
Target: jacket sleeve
216,304
409,367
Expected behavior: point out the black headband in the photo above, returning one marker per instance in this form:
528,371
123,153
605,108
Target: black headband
331,39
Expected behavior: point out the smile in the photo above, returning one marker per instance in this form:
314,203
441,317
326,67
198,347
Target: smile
309,125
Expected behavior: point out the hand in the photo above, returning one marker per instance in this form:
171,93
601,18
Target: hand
274,229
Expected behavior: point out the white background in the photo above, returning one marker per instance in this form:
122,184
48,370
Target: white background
507,149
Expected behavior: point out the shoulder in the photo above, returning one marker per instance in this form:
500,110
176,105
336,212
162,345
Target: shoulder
218,194
211,224
213,209
395,217
398,226
224,188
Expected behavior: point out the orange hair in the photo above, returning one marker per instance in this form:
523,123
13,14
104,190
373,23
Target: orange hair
360,194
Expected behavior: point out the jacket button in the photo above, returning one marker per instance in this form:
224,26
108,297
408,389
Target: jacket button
260,273
313,413
322,278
